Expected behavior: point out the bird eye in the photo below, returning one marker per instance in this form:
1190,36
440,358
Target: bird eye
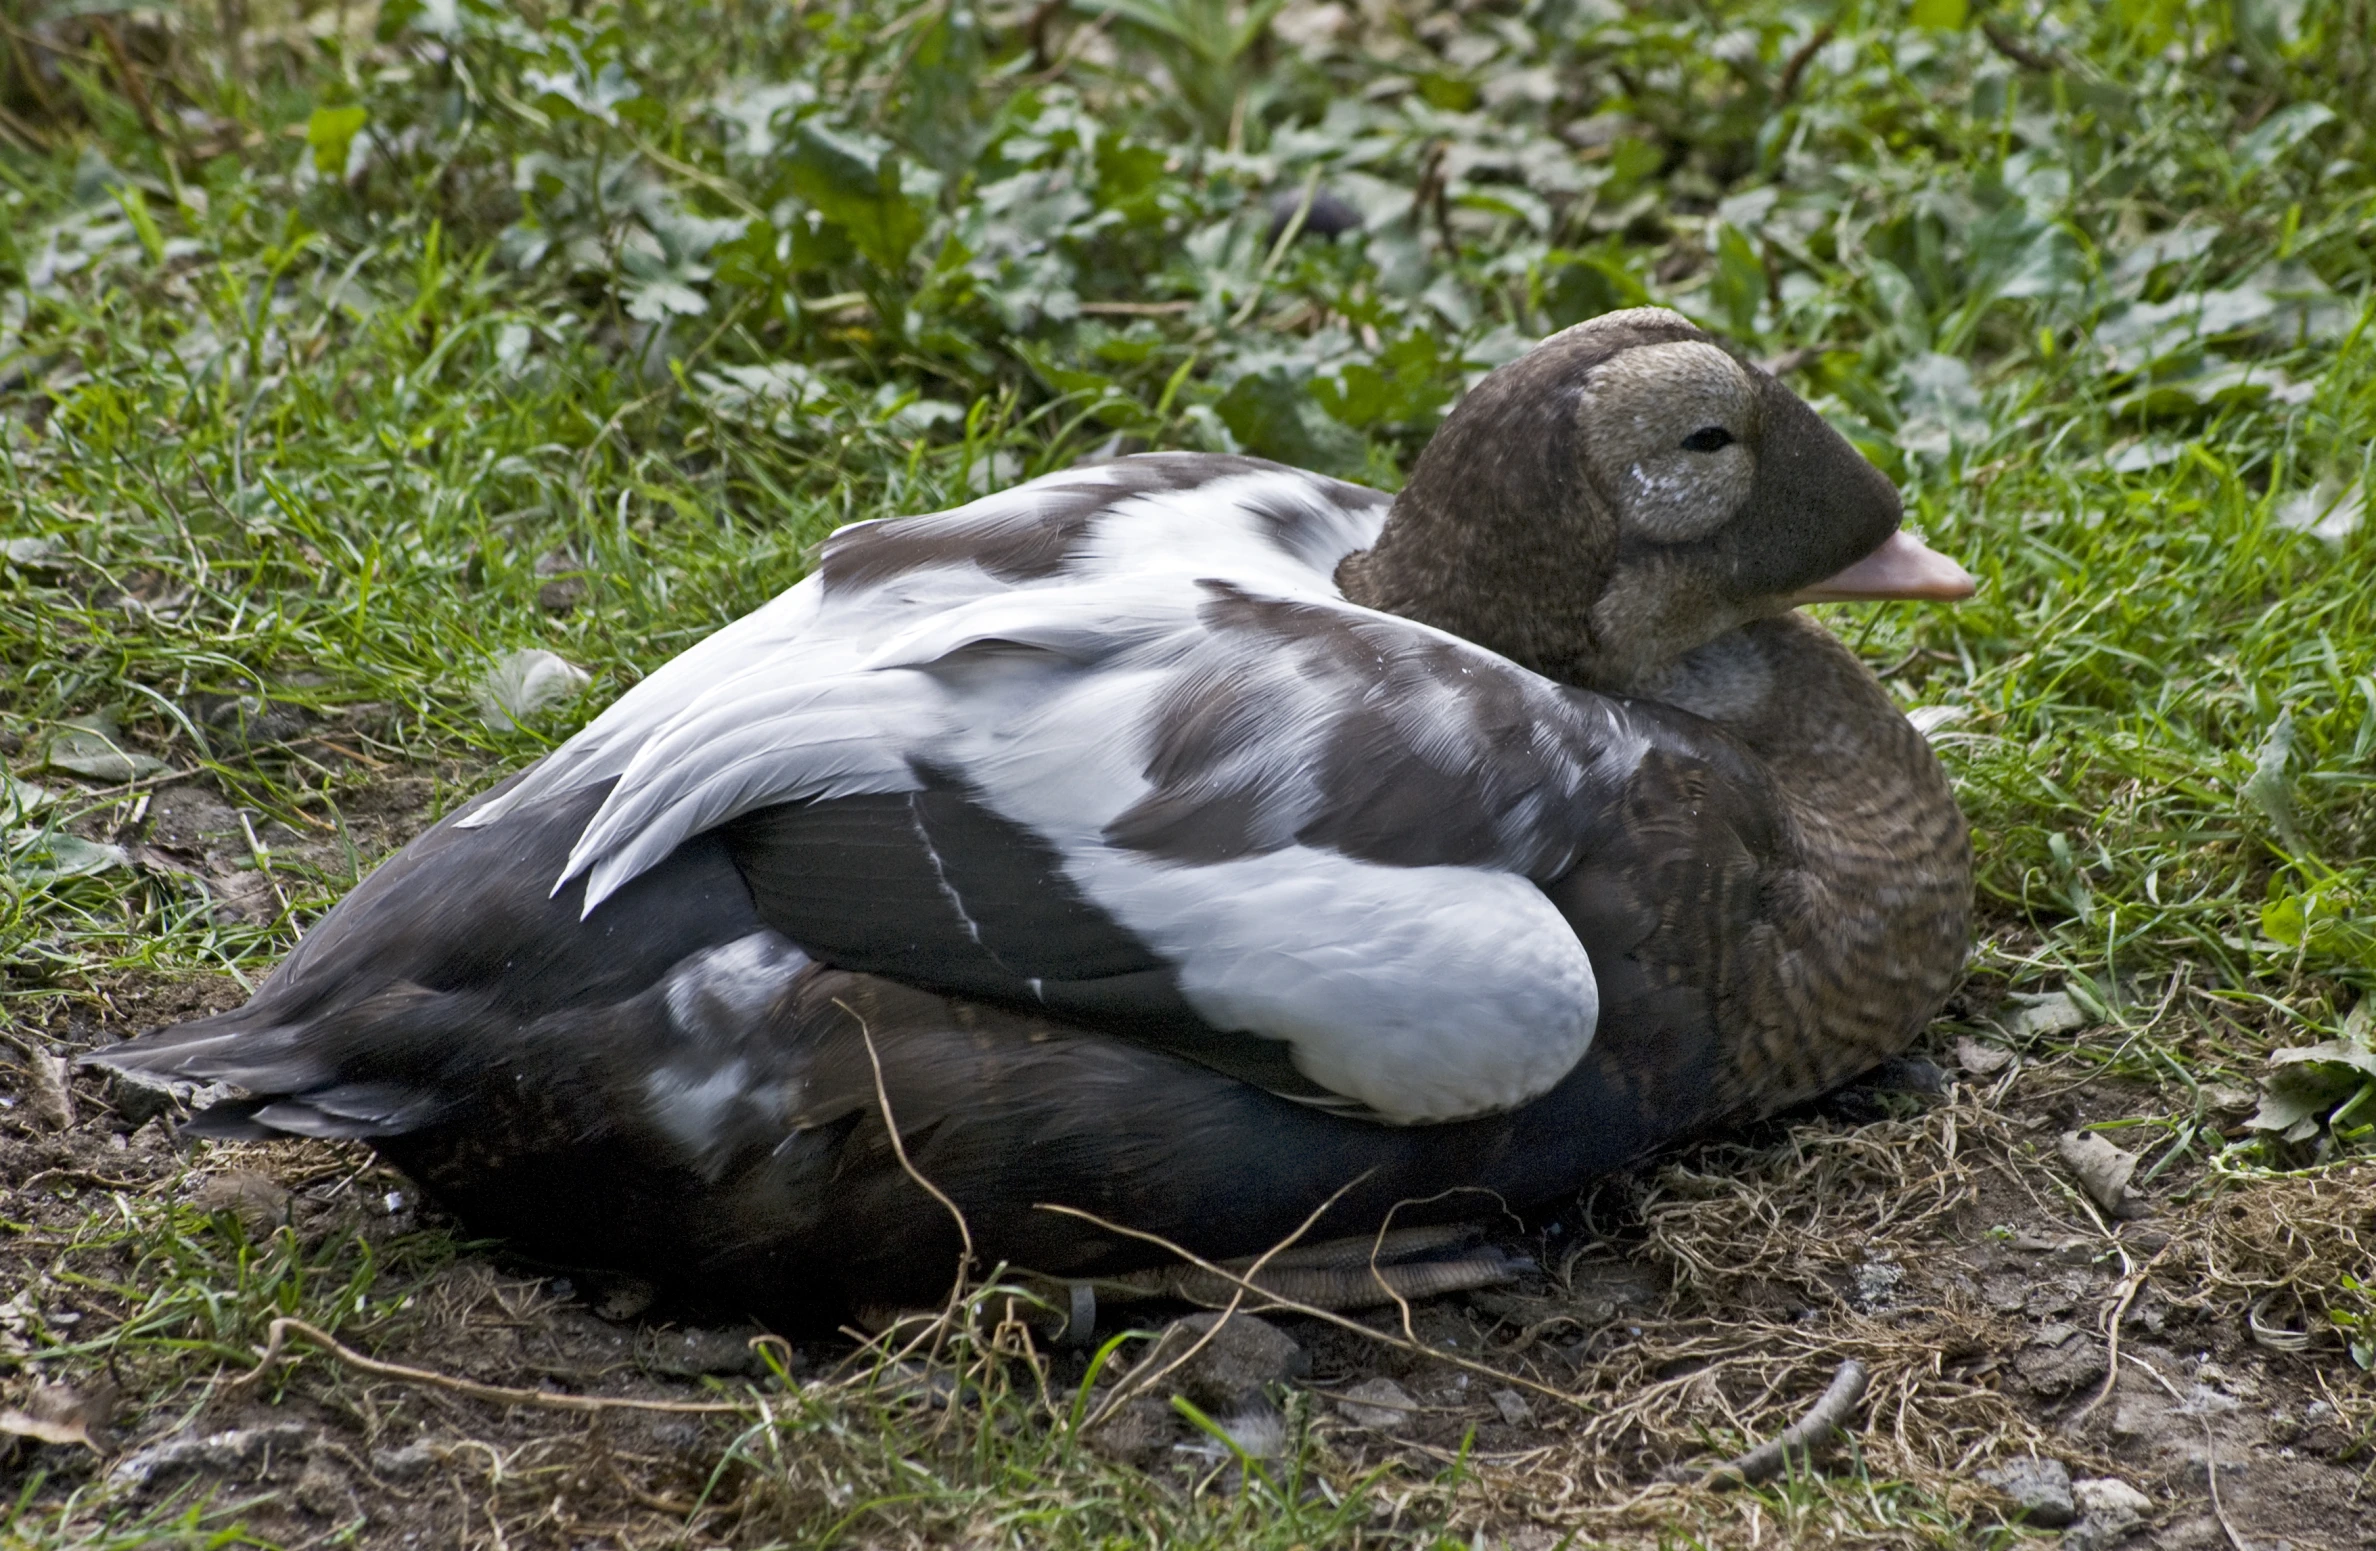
1709,438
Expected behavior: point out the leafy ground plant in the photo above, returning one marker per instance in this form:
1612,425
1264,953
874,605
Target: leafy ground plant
384,387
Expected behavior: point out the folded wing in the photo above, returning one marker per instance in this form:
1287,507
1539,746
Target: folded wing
1113,744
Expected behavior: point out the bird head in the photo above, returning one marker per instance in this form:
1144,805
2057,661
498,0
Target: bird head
1628,491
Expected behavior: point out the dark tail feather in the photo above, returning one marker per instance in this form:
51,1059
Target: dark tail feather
368,1067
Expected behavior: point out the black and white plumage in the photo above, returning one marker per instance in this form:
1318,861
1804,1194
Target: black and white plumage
1183,838
1155,774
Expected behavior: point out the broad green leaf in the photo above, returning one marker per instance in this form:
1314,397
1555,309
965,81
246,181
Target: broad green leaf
1739,286
2266,788
2327,918
1941,405
93,746
1277,416
663,298
2333,1052
2307,1085
1452,93
21,799
331,132
2280,133
854,182
603,95
1576,286
1407,384
46,858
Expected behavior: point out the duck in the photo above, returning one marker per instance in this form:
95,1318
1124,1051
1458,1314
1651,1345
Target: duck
1172,855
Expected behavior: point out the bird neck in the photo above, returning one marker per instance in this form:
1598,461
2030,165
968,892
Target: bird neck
1481,575
1498,537
1874,905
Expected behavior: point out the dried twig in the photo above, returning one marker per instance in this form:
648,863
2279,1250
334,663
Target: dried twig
1309,1311
29,72
2014,49
23,133
1286,239
1074,42
499,1394
95,795
1431,197
134,87
1795,359
965,1258
1796,65
1800,1437
1420,1288
1139,1383
84,1176
1035,28
2132,1284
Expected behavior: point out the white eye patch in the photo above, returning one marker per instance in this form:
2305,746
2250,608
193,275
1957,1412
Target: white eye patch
1667,432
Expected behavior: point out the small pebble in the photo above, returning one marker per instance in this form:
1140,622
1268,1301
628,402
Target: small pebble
257,1201
2040,1489
2108,1498
1979,1059
2109,1512
1232,1372
406,1464
2057,1012
1377,1403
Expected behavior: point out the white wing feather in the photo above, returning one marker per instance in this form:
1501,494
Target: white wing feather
1426,993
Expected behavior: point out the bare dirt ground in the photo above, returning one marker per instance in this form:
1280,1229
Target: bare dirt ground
2008,1325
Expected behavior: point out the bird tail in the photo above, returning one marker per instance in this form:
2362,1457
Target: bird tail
359,1070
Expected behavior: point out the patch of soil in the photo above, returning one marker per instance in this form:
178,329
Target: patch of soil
252,866
395,1462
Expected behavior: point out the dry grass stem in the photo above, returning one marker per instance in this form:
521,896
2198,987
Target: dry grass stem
499,1394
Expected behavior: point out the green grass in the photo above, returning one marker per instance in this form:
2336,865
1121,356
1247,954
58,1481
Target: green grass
407,319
